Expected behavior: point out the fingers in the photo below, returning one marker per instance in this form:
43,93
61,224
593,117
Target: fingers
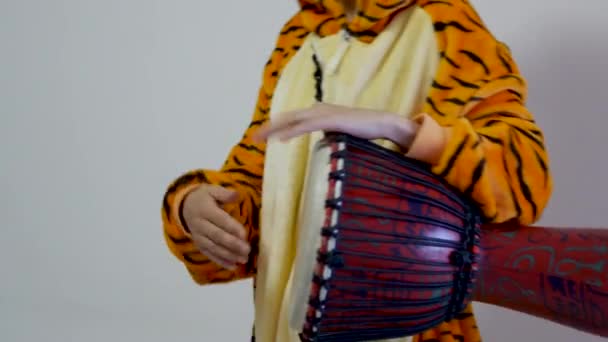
305,126
215,253
223,195
295,125
215,232
220,218
268,129
292,118
320,116
219,245
226,234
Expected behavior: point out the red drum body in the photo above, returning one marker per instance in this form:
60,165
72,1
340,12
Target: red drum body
386,249
396,254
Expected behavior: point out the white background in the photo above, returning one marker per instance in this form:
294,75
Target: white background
103,103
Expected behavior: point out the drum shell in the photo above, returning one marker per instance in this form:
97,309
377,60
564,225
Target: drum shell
397,249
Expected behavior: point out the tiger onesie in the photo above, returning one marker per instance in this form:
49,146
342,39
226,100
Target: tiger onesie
434,61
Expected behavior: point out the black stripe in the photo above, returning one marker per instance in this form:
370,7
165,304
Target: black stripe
500,114
302,35
390,6
237,161
455,101
190,258
247,184
263,110
226,184
494,122
474,21
432,104
492,139
436,2
310,7
360,34
515,77
536,132
464,83
250,266
449,60
181,218
529,135
196,177
436,85
257,123
520,175
368,17
442,26
504,61
543,166
475,58
222,279
292,29
318,76
323,23
250,148
454,157
516,93
244,172
475,177
178,241
513,196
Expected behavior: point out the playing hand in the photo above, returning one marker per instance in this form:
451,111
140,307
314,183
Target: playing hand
362,123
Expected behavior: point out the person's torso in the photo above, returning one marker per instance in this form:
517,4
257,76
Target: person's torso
393,73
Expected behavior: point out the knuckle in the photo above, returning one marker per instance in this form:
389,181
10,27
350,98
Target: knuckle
228,241
201,244
219,254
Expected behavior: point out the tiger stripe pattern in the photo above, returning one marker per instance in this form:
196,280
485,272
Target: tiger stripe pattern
241,171
495,153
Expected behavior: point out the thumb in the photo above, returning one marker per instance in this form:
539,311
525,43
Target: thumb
223,195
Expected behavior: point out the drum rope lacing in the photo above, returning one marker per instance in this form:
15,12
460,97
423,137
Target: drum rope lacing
462,257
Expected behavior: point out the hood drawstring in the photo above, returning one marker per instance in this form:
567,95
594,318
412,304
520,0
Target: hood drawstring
336,60
332,66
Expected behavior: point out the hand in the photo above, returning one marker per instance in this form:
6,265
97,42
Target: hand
215,233
362,123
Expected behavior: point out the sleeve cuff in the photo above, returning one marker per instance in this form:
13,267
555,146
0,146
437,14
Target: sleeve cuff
430,140
177,214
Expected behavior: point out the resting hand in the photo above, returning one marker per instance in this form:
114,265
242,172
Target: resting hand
214,232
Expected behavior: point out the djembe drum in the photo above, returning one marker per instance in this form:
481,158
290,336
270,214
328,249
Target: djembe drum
400,252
